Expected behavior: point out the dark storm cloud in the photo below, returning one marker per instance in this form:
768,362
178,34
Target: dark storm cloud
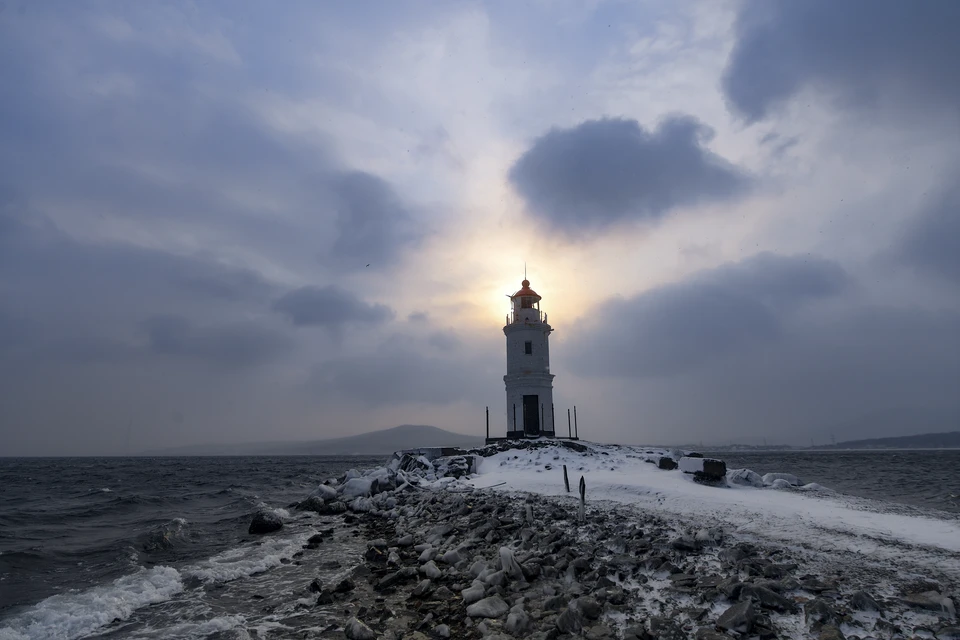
373,225
605,171
858,51
931,242
331,307
234,344
677,327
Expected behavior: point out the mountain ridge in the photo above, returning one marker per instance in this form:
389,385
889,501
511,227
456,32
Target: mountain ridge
380,442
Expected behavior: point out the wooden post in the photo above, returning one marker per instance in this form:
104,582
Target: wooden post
569,428
582,516
488,423
576,431
566,480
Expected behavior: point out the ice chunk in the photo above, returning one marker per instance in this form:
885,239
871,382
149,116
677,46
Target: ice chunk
357,488
509,564
325,492
780,483
745,477
492,607
769,478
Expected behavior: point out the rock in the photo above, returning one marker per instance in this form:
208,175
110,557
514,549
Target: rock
325,597
588,607
555,603
358,488
817,613
427,555
496,579
789,478
451,557
685,544
829,632
666,629
598,632
492,607
510,565
780,483
570,621
442,631
344,586
767,598
706,633
862,601
517,623
405,541
473,593
431,570
948,633
395,578
356,630
325,492
666,463
738,618
315,539
316,586
744,477
932,601
265,522
423,588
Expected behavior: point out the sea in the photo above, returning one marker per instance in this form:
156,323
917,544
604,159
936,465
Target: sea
158,547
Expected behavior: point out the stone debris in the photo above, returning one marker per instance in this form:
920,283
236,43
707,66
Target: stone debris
445,561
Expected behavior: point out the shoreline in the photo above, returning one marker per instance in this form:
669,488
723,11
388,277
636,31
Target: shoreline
446,557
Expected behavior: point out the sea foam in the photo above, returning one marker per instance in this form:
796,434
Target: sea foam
74,615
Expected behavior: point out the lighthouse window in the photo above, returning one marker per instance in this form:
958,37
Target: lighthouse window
526,303
528,348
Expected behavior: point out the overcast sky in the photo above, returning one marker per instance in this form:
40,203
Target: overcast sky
233,221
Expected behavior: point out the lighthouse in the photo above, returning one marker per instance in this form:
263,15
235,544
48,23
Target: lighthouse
528,381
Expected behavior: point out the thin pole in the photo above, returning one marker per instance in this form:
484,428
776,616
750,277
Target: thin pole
576,431
488,423
566,480
541,417
553,420
569,429
514,417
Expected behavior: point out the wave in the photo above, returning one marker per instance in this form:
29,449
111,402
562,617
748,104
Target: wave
244,561
74,615
165,536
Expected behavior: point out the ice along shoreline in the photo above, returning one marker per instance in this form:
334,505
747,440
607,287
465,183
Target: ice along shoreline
487,543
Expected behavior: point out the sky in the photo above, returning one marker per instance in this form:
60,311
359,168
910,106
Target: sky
247,221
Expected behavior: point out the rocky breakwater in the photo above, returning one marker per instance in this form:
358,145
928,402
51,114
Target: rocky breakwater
444,560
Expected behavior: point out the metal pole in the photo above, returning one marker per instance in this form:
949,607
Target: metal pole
488,423
514,417
553,420
541,417
569,429
576,431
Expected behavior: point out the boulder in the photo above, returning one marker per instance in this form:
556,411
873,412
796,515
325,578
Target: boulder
358,488
745,477
863,601
570,621
265,522
666,463
356,630
492,607
932,601
738,618
818,612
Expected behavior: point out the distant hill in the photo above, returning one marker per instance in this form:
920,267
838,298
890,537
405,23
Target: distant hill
947,440
385,442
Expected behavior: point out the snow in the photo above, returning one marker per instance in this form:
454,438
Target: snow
812,519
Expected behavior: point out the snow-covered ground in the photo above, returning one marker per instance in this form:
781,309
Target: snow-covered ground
860,533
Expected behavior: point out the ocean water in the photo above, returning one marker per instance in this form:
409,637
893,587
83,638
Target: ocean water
925,479
85,543
158,547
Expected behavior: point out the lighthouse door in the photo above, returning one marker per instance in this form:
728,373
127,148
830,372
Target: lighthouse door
531,415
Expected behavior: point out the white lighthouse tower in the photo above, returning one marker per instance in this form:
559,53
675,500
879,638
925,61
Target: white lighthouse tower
529,381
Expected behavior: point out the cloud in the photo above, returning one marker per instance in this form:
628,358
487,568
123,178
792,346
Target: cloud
398,375
931,242
860,52
233,345
678,327
330,306
373,227
607,171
